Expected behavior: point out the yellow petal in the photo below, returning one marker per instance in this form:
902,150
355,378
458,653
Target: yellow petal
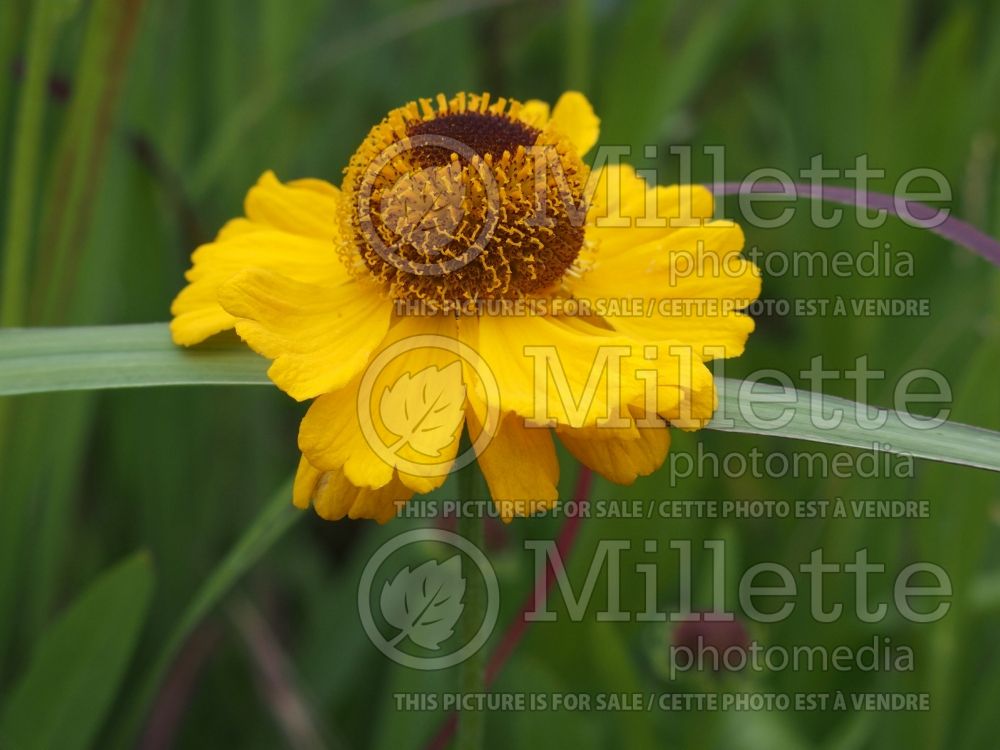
196,309
306,478
306,207
334,497
574,118
570,373
685,387
535,113
626,211
412,399
554,372
519,464
659,244
691,405
688,286
291,230
330,436
621,459
319,336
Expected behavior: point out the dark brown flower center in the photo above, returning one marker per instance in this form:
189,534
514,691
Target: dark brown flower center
480,133
463,204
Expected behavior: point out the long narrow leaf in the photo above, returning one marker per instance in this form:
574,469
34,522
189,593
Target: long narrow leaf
130,356
59,359
793,413
79,662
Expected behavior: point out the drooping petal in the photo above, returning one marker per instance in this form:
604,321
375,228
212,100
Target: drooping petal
622,457
318,335
519,464
330,436
306,477
334,497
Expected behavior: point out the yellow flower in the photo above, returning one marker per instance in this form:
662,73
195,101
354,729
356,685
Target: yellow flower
472,272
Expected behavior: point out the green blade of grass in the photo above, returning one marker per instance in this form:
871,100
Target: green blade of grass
46,19
61,359
765,409
79,160
129,356
79,663
11,32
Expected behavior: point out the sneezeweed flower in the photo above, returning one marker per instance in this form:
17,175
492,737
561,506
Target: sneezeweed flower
473,272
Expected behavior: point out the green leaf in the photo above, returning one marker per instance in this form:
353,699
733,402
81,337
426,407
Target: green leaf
40,360
797,415
47,16
77,667
58,359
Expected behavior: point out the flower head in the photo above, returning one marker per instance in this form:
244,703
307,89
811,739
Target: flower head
472,273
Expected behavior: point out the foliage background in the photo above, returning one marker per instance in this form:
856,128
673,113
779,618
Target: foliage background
153,120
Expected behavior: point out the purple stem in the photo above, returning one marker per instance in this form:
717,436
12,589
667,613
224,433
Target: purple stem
519,625
950,228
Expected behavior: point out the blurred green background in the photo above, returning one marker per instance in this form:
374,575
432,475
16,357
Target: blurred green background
130,131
